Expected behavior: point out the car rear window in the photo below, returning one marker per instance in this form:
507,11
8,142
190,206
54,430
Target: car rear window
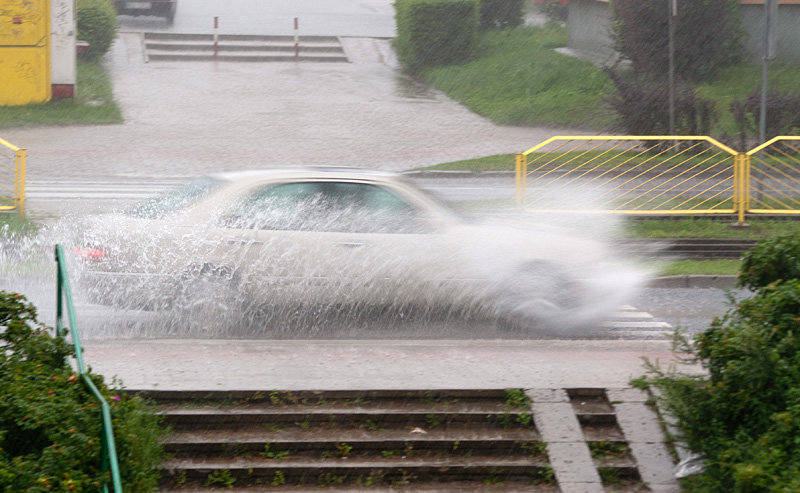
175,200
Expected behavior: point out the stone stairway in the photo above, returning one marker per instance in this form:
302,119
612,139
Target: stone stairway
241,48
449,440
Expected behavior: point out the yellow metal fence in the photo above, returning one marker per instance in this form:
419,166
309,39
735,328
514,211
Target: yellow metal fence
12,178
659,175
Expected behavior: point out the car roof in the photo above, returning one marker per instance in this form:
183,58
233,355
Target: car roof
309,172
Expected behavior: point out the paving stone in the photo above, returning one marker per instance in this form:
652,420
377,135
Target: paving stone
581,487
572,463
639,422
627,395
557,422
547,395
654,463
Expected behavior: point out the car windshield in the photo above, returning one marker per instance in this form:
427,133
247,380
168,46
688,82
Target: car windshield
175,200
326,206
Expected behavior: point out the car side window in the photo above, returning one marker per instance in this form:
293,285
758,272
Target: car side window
326,206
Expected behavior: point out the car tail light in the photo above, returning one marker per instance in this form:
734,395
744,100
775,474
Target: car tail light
91,253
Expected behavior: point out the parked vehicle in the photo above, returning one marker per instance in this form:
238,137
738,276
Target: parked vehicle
156,8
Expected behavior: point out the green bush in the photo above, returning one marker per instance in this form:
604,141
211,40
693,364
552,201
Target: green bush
770,261
50,424
500,14
97,24
435,32
708,36
743,417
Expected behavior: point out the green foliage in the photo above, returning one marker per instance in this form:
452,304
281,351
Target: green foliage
435,32
642,106
708,36
783,115
50,424
744,417
500,14
516,78
771,260
517,398
97,24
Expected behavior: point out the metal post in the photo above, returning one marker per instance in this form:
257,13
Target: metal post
296,40
672,6
216,37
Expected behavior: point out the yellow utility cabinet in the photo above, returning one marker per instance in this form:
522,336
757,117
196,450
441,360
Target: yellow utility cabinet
24,52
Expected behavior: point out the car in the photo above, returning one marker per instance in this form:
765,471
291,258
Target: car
297,240
156,8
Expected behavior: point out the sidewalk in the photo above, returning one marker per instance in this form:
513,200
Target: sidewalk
171,364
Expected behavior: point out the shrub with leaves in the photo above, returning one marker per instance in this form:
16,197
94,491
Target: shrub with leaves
783,115
50,424
642,106
744,416
435,32
771,261
97,24
708,36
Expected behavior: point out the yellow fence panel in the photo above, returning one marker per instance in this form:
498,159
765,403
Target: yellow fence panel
774,177
12,177
630,175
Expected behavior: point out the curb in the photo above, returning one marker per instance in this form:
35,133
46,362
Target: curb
455,174
694,281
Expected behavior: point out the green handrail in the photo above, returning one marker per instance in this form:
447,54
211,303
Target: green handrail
64,294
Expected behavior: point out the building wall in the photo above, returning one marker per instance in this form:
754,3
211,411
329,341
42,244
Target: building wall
589,28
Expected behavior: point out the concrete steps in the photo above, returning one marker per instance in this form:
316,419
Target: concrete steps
442,440
241,48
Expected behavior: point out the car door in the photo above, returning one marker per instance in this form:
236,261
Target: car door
334,241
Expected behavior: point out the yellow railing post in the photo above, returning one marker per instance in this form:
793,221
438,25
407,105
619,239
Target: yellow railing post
520,179
741,188
20,195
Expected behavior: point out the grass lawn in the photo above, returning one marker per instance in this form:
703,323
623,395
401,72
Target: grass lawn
516,78
94,103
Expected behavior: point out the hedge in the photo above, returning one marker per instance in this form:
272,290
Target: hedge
97,24
435,32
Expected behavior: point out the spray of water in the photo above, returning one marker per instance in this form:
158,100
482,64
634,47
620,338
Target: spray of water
286,267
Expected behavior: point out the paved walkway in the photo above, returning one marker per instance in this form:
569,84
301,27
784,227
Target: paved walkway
196,117
175,364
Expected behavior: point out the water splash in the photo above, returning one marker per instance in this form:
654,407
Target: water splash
365,275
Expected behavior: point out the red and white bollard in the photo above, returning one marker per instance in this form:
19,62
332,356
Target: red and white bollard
216,37
296,40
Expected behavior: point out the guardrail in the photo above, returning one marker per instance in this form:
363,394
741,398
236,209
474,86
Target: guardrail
12,177
64,304
659,174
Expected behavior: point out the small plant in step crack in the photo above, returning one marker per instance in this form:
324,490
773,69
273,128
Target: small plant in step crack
278,479
390,454
494,477
330,479
304,425
432,420
517,398
271,454
544,475
535,449
607,450
220,477
609,475
372,425
524,419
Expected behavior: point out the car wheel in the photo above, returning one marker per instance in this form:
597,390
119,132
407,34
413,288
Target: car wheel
538,296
